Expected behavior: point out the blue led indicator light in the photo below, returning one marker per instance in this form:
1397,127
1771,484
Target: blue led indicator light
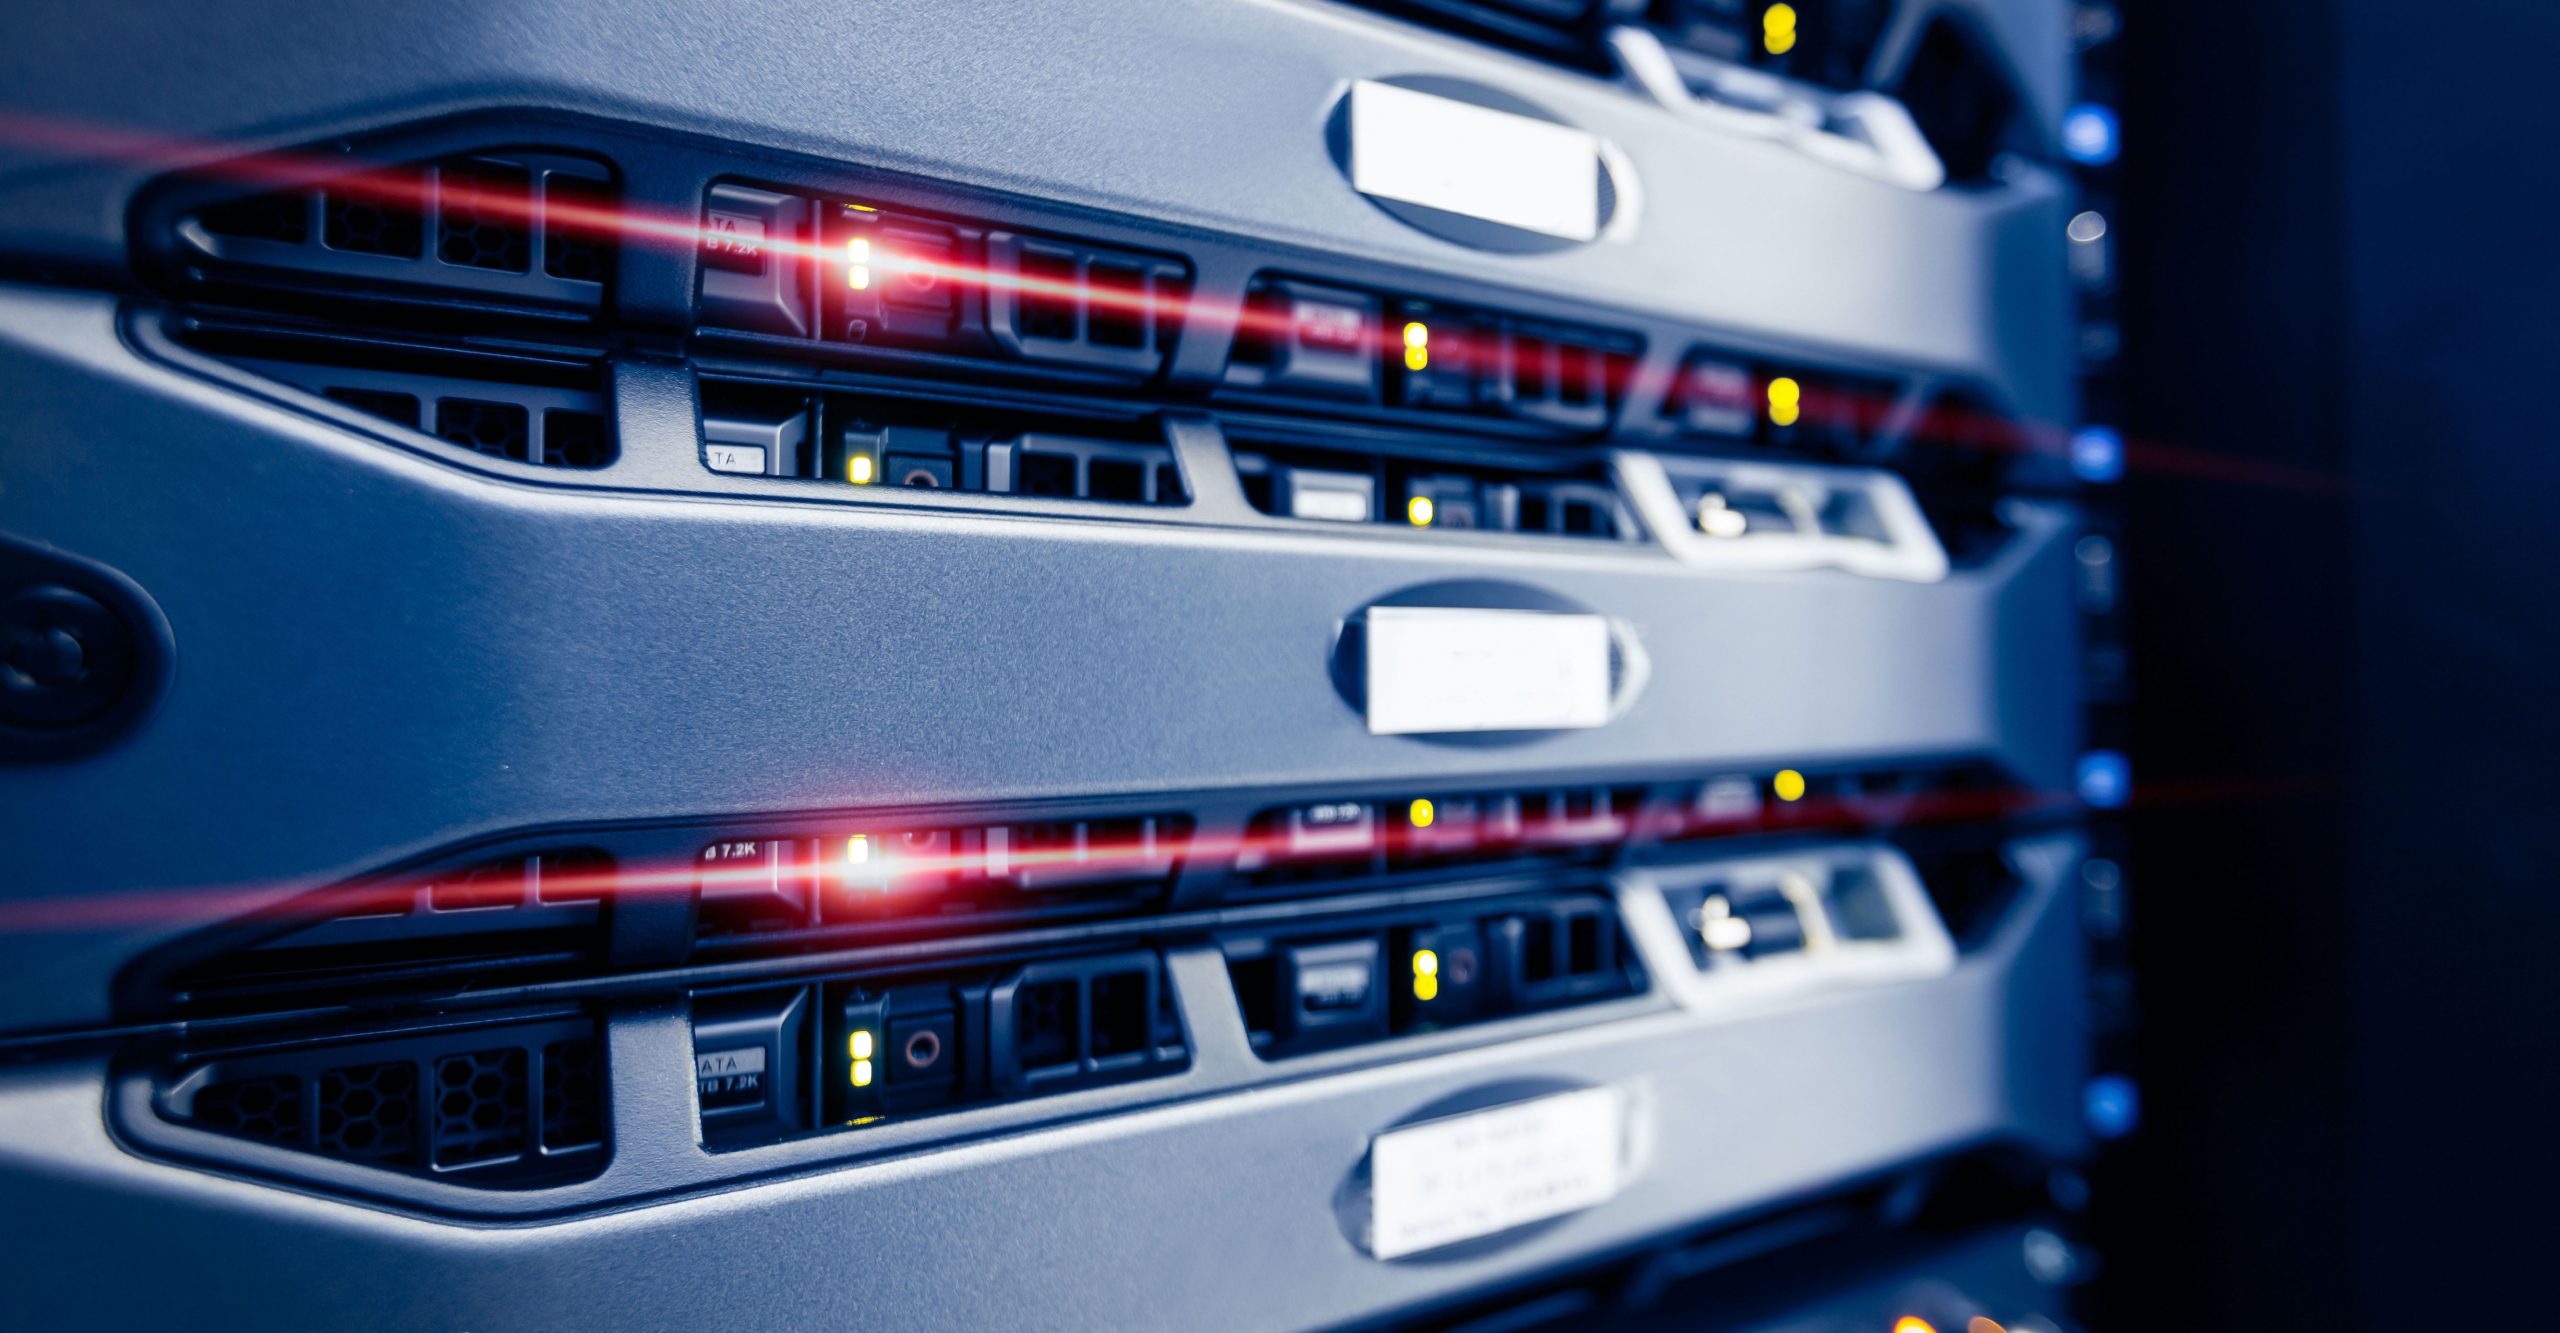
2106,779
2089,134
2111,1105
2097,454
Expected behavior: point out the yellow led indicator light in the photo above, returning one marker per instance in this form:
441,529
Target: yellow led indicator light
859,1047
1426,975
1419,510
859,470
1417,346
857,849
1778,29
1419,814
1786,401
857,263
1789,784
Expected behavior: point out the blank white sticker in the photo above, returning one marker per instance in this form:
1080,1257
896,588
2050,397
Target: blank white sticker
1444,669
1473,1175
1462,158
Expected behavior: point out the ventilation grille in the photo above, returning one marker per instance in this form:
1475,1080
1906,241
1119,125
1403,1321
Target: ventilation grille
268,1107
480,1108
895,873
547,412
1297,846
505,1107
1826,42
530,229
1576,501
517,916
1834,416
369,1113
881,442
1836,801
894,1046
1335,984
1300,340
853,277
1958,93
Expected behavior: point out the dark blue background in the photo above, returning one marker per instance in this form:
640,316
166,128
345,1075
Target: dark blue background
2342,255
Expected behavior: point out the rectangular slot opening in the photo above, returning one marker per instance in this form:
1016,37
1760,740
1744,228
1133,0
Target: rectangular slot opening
1047,474
1419,484
1048,298
1578,383
1582,945
1116,306
1538,948
1046,1017
1121,1020
882,442
1530,374
1318,986
1257,981
1117,479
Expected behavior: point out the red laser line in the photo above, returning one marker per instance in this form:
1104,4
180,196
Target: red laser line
1407,848
405,186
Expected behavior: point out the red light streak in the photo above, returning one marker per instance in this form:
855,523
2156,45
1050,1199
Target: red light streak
909,875
402,185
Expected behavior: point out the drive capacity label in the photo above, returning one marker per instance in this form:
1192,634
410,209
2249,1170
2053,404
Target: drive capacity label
1473,1175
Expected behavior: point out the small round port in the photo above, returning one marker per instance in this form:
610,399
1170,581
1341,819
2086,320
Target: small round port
922,1050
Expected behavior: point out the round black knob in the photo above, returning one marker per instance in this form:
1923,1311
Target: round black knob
64,658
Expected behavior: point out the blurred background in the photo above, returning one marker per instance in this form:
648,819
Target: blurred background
2341,259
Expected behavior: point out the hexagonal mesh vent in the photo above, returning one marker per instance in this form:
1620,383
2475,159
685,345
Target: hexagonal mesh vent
486,218
397,408
574,244
512,1105
368,1112
376,214
262,217
260,1108
479,1107
523,227
502,430
575,439
572,1094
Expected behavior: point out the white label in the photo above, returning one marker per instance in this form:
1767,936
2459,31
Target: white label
734,457
1441,669
1473,160
1474,1175
717,1064
1333,506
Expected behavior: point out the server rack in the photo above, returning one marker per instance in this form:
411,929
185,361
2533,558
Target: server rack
750,671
